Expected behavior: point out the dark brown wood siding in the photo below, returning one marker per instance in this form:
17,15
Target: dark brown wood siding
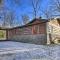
29,30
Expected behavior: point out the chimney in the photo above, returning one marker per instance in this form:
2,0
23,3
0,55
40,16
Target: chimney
40,17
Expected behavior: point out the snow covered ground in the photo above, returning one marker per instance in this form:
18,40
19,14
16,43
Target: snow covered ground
23,51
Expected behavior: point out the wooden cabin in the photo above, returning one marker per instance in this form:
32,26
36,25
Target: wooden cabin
37,31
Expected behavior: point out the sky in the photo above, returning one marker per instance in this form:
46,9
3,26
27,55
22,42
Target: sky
23,7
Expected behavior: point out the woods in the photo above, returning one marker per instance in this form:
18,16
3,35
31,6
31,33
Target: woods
8,16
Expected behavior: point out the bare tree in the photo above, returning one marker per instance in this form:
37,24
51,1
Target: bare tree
7,16
1,4
25,18
8,19
36,6
1,1
52,10
47,13
55,7
16,2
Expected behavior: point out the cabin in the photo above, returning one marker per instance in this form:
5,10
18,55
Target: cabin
32,32
37,31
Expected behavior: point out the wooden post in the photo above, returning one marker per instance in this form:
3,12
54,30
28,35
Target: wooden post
6,34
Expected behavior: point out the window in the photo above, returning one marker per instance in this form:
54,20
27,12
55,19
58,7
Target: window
35,29
50,29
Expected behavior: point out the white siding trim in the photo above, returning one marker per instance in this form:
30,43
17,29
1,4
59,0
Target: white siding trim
48,40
